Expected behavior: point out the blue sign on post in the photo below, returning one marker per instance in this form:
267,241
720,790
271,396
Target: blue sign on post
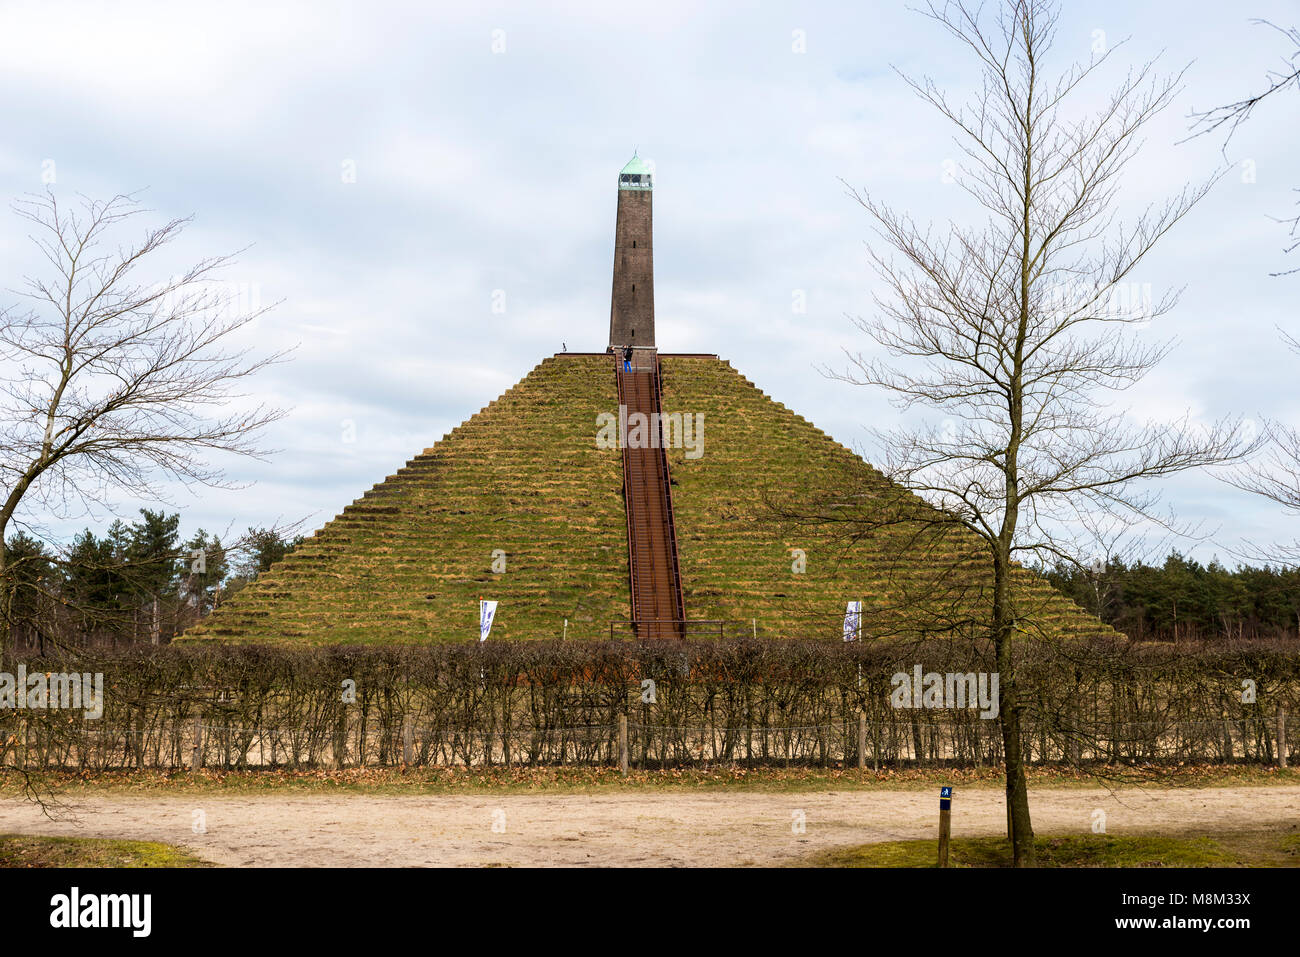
945,824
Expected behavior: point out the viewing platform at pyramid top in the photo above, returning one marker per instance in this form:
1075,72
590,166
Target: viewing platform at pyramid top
637,174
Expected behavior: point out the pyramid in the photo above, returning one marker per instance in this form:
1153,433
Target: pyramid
409,560
525,505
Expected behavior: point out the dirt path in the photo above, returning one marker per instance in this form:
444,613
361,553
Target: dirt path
651,829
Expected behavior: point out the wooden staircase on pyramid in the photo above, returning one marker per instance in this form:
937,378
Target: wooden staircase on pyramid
658,609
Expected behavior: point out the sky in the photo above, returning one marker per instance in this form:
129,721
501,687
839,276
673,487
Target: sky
396,170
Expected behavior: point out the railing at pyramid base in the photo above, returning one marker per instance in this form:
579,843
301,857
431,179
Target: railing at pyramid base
649,629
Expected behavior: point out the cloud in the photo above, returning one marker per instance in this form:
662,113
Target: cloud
480,171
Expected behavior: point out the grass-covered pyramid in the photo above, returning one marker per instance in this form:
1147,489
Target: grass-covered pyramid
409,560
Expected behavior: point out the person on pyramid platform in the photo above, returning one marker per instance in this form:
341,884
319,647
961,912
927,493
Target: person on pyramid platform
627,358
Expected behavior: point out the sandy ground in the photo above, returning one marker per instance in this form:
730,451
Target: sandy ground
661,828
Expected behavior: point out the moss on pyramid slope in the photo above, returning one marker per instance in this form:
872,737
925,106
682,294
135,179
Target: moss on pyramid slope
736,559
409,560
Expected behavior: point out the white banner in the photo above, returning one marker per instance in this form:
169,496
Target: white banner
852,620
487,612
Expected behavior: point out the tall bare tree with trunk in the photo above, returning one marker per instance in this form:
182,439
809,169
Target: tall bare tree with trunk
108,385
1020,329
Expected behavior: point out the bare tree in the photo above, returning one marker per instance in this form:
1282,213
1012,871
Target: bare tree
1276,476
109,385
1230,116
1019,329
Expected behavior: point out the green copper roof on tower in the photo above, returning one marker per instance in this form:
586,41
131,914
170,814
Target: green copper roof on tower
637,174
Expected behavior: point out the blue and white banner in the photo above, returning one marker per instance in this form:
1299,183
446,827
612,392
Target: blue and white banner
487,612
852,620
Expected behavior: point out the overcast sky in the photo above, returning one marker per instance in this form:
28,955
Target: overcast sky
485,142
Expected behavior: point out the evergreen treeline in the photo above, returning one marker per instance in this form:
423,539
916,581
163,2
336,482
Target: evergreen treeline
1185,600
140,582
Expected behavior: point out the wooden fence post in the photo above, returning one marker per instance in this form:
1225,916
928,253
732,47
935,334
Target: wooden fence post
945,824
875,745
1281,737
136,730
862,740
341,742
622,743
196,754
408,741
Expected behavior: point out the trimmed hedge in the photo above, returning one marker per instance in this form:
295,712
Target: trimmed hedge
755,702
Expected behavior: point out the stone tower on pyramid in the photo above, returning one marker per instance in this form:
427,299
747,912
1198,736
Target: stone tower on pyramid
625,493
632,304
